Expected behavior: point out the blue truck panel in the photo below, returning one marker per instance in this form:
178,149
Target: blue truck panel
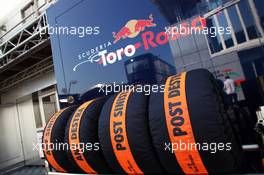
93,42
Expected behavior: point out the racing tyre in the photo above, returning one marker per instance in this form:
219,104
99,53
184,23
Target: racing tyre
124,134
190,128
53,139
82,135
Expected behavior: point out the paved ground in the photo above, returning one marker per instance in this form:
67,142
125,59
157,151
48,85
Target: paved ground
28,170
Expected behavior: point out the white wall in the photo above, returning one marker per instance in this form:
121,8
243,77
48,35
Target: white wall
14,17
10,140
28,128
17,121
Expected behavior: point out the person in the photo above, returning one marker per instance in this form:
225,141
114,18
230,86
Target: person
229,87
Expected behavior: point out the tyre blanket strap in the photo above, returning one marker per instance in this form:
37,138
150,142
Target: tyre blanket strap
74,139
118,135
47,141
179,124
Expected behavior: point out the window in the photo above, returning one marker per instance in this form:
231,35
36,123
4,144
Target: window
236,24
3,28
27,10
137,66
212,4
36,108
223,23
49,106
248,19
259,6
2,31
213,40
130,68
241,19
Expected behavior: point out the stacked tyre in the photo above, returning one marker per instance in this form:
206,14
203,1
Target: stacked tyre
81,152
166,132
191,112
124,135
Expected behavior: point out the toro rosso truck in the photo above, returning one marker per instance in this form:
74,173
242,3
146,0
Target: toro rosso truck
141,91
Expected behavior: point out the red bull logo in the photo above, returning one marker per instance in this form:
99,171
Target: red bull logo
147,40
133,28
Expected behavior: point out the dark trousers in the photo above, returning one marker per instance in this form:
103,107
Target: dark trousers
233,98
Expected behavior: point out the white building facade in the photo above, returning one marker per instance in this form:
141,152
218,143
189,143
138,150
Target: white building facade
28,85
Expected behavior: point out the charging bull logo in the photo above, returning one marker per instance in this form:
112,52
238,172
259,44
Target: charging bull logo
133,28
105,56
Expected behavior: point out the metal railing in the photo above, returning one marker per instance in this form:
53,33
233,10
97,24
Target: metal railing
29,37
42,67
